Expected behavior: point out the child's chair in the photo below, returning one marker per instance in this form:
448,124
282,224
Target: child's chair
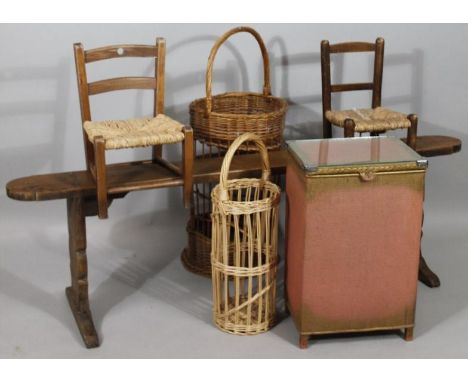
376,120
100,136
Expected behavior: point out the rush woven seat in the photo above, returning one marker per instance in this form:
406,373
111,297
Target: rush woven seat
140,132
370,120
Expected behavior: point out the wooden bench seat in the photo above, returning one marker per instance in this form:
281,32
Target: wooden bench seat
132,176
436,145
144,175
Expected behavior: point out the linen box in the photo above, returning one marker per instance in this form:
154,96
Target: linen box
354,217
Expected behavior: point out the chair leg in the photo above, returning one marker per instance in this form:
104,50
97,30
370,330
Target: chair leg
412,131
157,152
327,128
101,179
187,163
89,153
349,126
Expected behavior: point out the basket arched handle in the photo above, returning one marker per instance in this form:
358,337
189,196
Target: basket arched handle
214,50
223,178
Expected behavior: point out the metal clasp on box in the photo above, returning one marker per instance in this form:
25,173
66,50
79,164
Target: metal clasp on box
422,163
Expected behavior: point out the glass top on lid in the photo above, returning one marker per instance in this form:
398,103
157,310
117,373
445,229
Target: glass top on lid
314,153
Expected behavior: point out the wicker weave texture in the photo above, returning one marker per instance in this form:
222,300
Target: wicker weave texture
370,120
139,132
219,120
196,257
244,247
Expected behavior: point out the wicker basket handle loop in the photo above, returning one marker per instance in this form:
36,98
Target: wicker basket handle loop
214,50
223,179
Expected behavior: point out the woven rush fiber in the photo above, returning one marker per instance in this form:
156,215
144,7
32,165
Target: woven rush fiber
139,132
377,120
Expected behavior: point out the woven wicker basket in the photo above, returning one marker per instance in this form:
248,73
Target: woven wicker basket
196,256
244,247
218,120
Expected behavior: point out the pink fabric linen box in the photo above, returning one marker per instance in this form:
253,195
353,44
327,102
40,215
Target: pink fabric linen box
355,209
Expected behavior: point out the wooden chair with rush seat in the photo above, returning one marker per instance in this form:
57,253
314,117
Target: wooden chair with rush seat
375,120
155,131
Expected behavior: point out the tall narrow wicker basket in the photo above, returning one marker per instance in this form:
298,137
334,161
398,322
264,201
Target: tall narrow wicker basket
244,247
218,120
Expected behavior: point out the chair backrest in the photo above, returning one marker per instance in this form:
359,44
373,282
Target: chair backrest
328,88
87,89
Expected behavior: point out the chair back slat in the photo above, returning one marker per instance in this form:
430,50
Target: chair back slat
351,87
352,47
119,51
121,83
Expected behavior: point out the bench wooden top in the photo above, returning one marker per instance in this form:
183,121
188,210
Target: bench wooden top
133,176
144,175
436,145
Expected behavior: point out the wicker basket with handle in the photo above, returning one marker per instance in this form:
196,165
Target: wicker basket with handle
218,120
244,247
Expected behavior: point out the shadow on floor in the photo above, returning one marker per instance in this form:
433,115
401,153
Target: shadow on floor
27,293
153,243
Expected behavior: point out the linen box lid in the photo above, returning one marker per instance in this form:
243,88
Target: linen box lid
354,155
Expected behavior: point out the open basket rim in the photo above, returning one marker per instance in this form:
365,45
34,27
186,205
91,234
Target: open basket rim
273,200
198,106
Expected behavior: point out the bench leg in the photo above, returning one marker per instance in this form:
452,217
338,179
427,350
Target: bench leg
425,274
77,293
